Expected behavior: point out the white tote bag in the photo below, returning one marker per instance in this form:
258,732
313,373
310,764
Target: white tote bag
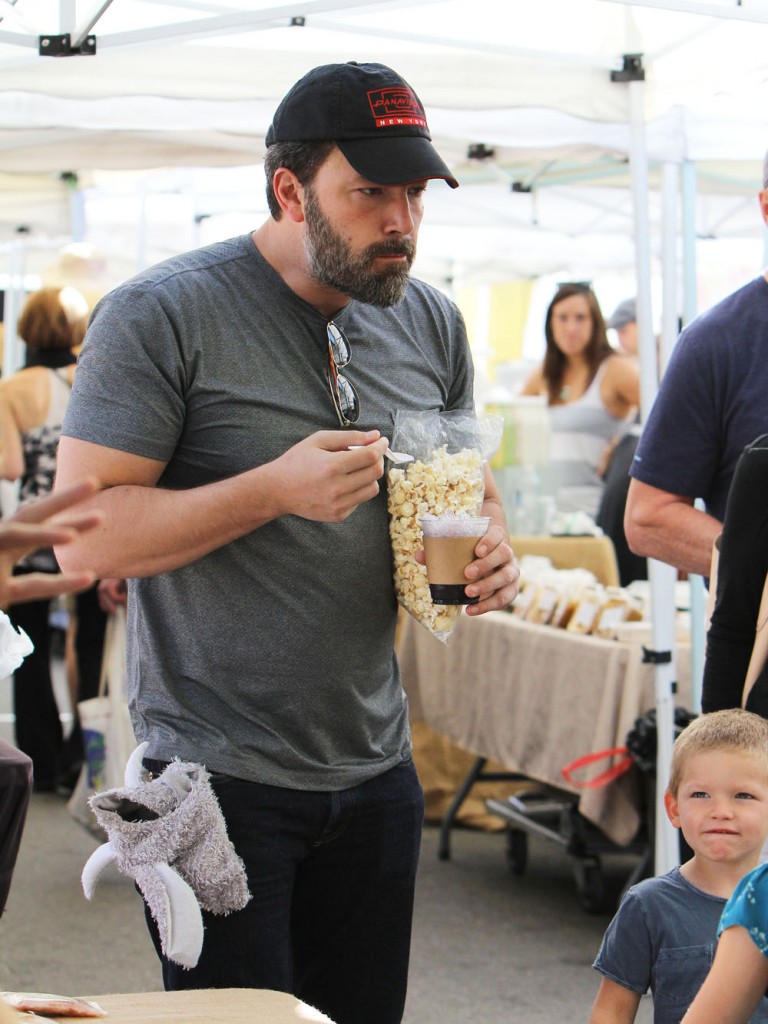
107,731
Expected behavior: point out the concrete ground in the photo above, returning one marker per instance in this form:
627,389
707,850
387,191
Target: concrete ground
488,946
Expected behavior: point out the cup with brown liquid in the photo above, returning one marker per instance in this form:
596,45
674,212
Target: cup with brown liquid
449,546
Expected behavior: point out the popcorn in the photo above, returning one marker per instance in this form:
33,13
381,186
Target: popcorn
445,483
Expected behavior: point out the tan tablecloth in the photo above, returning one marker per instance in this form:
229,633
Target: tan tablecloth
208,1006
533,698
442,767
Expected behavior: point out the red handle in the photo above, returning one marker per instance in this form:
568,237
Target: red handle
603,778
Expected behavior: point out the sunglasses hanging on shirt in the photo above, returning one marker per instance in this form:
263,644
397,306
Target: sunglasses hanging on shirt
345,399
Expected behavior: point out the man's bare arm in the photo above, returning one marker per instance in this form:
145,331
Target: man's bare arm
667,527
147,529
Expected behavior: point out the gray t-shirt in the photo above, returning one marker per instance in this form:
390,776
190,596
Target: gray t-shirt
663,937
272,657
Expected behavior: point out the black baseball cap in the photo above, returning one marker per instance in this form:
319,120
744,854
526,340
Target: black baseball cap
373,116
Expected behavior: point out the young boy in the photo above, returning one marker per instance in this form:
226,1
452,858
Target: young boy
663,935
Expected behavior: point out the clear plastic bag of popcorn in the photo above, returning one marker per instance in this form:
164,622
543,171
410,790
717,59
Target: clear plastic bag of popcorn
446,475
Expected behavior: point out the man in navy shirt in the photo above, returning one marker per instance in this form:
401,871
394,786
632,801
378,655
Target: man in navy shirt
711,404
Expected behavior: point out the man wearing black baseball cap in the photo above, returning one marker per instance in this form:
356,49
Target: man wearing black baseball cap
236,403
372,115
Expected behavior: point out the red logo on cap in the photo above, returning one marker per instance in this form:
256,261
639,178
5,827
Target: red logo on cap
396,105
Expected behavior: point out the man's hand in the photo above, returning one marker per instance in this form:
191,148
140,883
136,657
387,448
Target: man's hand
494,574
43,523
324,479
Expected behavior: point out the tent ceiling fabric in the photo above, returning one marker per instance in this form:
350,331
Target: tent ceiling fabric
194,83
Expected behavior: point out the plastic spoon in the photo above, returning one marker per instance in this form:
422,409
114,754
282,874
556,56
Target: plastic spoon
397,457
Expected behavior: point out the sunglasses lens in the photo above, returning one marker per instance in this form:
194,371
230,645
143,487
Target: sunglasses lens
345,399
338,345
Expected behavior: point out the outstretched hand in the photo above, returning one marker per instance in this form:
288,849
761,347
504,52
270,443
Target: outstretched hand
54,519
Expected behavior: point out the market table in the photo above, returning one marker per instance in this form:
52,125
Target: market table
597,554
441,763
206,1006
534,698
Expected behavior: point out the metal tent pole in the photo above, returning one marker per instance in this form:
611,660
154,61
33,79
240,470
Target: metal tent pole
662,576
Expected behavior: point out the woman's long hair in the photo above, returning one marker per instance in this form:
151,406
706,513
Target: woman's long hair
595,353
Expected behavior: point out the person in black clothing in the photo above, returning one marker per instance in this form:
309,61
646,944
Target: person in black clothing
610,513
743,563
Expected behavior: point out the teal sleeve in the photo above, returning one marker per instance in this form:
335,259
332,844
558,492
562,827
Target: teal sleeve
748,907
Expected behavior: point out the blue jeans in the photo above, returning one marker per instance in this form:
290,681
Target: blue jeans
332,876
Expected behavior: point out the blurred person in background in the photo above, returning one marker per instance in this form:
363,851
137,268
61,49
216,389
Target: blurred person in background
32,403
619,456
623,320
592,393
31,527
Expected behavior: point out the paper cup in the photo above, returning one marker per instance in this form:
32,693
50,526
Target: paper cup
449,547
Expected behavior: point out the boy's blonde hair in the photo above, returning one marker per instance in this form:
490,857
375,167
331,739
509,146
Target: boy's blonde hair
739,731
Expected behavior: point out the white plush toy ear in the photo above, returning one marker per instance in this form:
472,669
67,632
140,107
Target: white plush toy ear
172,901
133,766
99,860
183,929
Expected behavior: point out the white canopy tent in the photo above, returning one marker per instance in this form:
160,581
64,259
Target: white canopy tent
583,132
193,83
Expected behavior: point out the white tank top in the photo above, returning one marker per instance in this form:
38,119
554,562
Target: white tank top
579,433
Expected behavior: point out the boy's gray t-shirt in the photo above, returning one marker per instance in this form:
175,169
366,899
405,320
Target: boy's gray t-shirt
271,658
663,938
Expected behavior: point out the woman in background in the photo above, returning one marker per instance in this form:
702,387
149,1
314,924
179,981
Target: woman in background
32,403
592,393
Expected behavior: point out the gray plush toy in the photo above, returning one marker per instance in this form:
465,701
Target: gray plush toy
169,835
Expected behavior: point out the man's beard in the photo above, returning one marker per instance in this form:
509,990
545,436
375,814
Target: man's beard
333,263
